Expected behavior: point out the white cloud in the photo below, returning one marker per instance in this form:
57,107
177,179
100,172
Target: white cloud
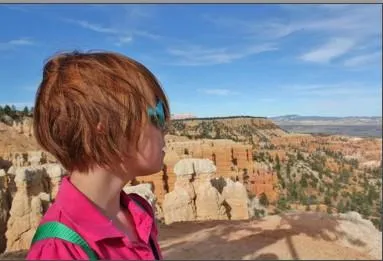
343,89
93,27
332,49
219,92
124,40
137,11
22,41
17,7
365,59
359,21
352,25
120,36
16,42
146,34
198,55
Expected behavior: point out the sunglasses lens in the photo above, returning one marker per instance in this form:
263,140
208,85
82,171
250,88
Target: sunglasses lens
160,113
157,116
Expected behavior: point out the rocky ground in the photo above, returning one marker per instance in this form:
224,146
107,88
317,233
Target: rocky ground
291,236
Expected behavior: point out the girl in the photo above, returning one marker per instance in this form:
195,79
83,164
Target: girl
103,116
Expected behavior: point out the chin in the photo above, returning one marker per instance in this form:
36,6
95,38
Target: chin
153,170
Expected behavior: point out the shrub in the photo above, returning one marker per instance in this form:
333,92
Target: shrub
264,200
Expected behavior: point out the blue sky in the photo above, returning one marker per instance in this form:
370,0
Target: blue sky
213,60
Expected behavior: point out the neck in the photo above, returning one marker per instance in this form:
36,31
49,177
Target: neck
100,187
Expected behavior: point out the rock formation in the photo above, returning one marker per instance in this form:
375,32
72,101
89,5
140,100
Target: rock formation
27,207
4,208
179,205
24,127
145,190
35,188
194,197
236,197
210,204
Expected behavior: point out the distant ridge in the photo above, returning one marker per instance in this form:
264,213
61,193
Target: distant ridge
220,118
299,117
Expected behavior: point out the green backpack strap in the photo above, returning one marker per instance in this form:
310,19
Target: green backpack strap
59,230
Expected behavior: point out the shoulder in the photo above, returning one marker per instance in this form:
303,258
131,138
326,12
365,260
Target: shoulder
141,202
54,249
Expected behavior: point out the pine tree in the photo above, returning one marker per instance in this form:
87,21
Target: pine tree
26,111
7,110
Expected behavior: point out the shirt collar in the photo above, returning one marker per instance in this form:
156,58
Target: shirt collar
89,220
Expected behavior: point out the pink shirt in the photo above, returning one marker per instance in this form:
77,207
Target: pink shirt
73,209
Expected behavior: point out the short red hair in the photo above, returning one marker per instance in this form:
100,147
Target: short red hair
80,90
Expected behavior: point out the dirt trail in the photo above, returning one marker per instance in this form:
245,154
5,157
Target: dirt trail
287,237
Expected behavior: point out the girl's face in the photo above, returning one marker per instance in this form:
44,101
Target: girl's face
150,154
151,150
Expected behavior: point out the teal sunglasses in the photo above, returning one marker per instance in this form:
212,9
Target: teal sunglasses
157,115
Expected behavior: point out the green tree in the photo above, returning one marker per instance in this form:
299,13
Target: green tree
300,156
327,200
282,203
277,164
303,181
372,195
334,195
344,176
283,183
26,111
293,191
327,172
288,171
7,110
365,210
270,158
320,175
340,207
263,200
245,176
347,206
303,198
377,223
